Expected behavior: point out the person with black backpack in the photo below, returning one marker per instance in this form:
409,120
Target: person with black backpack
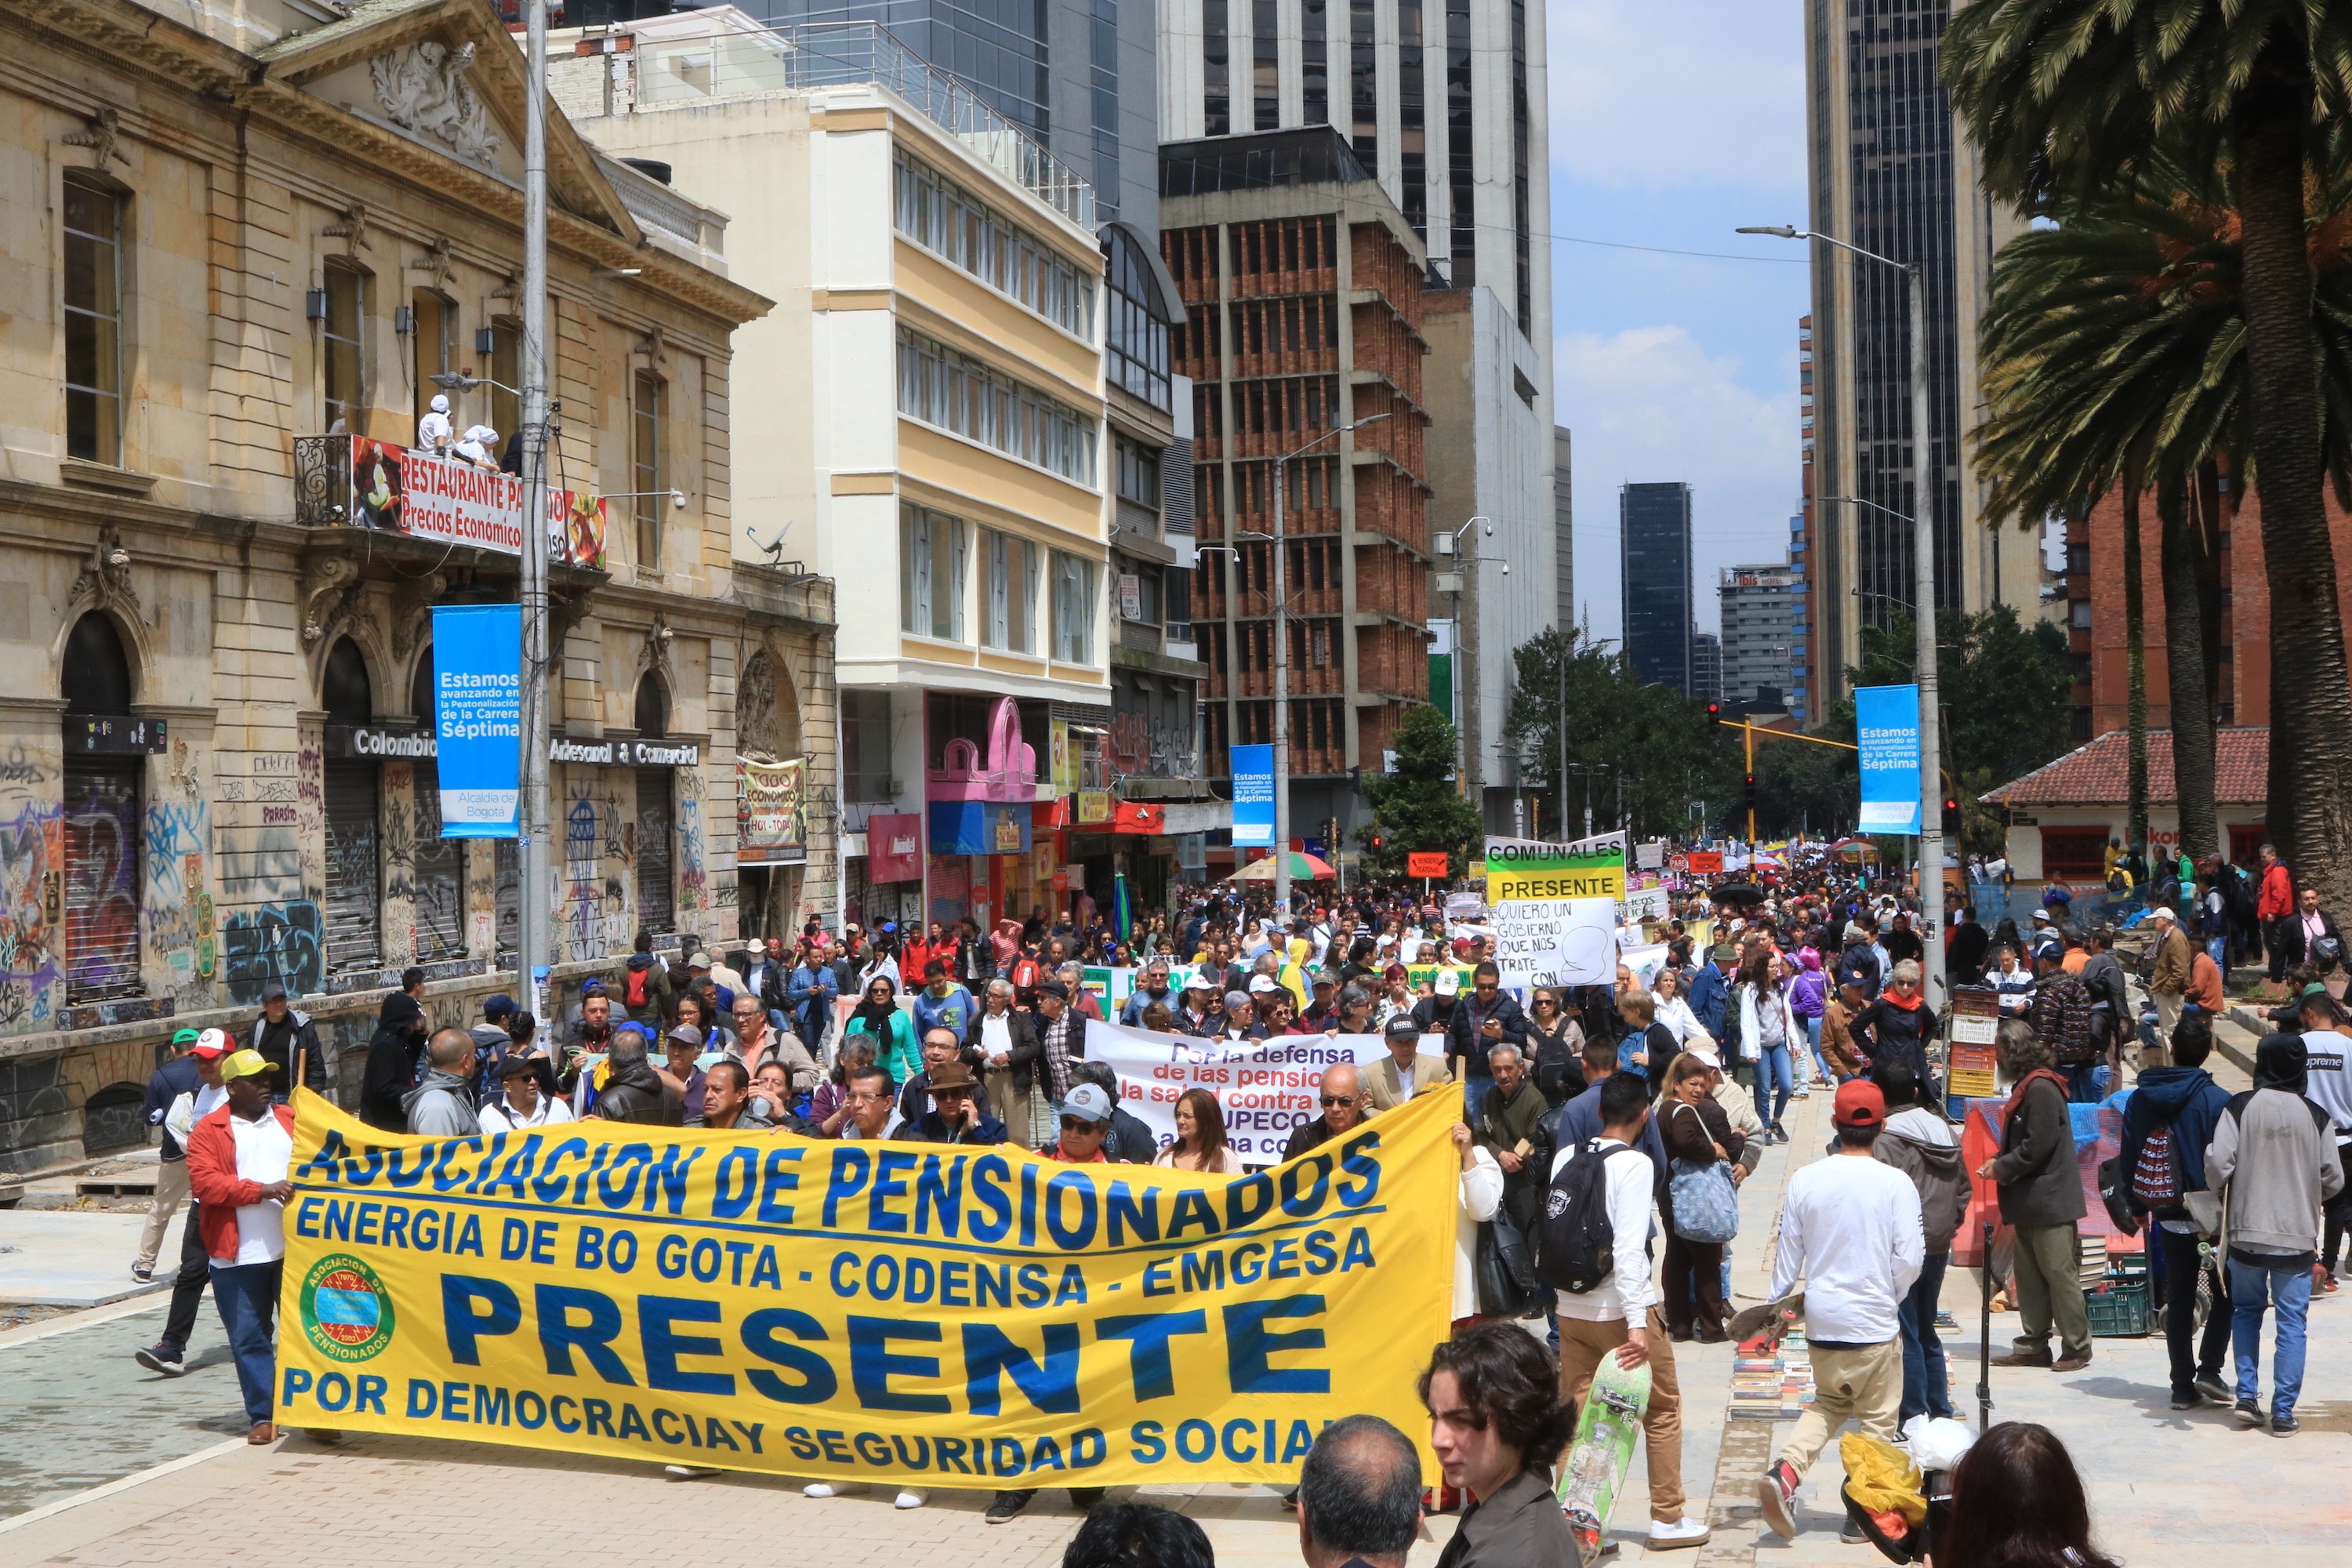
2168,1124
1592,1249
2061,1013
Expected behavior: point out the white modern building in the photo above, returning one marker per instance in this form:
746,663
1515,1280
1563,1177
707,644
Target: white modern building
1759,607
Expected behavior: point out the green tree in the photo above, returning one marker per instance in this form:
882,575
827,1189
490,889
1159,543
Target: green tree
1648,740
2069,100
1418,805
2004,688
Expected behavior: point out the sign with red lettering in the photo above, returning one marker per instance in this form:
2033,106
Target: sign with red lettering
1429,863
1706,862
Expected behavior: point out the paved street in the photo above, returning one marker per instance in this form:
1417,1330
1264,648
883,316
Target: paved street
76,1413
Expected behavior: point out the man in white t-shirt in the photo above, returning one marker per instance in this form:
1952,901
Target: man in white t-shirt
168,1355
237,1160
1850,1229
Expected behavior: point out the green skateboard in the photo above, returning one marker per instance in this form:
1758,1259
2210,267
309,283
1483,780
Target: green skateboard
1603,1449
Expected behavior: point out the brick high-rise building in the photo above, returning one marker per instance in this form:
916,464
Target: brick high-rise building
1302,286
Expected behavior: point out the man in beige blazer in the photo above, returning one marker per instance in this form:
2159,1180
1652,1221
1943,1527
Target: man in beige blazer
1406,1073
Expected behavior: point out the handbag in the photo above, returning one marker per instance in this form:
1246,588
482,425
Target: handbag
1704,1199
1508,1285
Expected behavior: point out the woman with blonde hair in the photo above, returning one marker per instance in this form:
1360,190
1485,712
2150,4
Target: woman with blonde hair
1200,1137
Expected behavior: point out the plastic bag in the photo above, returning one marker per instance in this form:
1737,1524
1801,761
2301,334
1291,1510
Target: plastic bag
1937,1441
1881,1479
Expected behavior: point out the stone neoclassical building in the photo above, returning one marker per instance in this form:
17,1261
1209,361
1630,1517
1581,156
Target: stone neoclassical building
240,241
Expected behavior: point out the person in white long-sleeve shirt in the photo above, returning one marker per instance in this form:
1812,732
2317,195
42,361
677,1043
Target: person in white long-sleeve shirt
1621,1315
1851,1231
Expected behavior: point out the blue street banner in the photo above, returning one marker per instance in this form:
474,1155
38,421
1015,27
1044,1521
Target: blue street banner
1887,719
477,711
1253,797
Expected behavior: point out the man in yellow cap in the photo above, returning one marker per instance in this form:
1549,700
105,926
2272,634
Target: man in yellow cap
239,1157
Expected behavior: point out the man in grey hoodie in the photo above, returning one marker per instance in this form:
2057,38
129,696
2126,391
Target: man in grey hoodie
1919,1142
2273,1157
443,1105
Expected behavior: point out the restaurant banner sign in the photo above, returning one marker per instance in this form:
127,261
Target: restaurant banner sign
356,481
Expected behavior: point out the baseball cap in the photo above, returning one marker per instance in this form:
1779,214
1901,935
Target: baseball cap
1322,981
213,1043
2160,913
1449,983
273,992
1704,1056
592,987
1198,981
1263,983
687,1034
184,1038
246,1064
518,1066
1859,1104
1401,1024
498,1006
1088,1102
699,961
2043,916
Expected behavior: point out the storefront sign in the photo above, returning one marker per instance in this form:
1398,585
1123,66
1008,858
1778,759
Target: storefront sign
383,485
1094,807
1886,722
625,753
894,850
477,703
771,822
367,742
1253,797
978,828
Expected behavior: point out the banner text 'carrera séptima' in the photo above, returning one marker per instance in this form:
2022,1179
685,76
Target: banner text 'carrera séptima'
885,1312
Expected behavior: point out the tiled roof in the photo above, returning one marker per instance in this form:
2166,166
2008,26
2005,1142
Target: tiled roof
2098,774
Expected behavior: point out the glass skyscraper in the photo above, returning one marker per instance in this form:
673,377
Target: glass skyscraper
1654,523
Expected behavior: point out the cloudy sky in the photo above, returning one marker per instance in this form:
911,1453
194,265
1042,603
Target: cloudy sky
1673,123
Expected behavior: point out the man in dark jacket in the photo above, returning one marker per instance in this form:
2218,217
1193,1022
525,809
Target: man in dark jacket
1342,1093
645,993
1859,960
1488,1016
392,1055
1921,1142
172,1080
1510,1125
634,1092
956,1116
2042,1196
2179,1105
1965,947
286,1037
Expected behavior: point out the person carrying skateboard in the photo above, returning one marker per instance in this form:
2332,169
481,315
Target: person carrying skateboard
1851,1231
1621,1315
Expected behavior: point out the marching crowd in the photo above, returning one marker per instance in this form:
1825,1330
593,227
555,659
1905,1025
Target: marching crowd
1691,1059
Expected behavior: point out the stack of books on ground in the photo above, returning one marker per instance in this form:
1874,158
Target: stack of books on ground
1773,1387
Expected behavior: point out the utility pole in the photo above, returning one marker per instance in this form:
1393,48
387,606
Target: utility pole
534,871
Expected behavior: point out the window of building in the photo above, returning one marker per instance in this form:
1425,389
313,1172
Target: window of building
93,302
352,812
1216,70
341,348
944,218
506,369
432,321
645,459
865,744
1016,579
959,394
101,803
930,574
1137,339
1139,474
1077,583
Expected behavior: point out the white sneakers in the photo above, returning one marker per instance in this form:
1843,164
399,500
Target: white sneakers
1682,1532
912,1497
687,1472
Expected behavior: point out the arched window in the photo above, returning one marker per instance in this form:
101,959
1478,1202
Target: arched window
98,672
420,692
653,710
344,690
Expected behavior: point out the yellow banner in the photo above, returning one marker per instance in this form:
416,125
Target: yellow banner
894,1313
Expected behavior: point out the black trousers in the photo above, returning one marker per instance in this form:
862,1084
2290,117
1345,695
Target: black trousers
188,1285
2191,1352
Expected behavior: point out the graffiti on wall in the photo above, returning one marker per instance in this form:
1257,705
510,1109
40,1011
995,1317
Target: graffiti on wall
285,942
179,946
32,879
101,928
692,883
397,841
583,922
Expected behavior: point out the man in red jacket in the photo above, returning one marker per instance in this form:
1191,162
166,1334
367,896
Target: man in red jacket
2275,908
237,1160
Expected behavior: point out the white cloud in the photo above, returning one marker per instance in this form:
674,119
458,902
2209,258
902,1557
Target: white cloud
1651,404
1648,93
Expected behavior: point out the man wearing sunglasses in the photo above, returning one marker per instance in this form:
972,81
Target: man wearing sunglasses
1342,1098
1085,1113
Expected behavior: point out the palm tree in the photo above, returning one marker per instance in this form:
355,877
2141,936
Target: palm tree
2115,356
2070,99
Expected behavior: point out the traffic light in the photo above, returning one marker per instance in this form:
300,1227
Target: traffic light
1747,792
1376,841
1951,818
1714,718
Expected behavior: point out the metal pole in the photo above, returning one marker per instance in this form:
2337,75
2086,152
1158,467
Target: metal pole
1562,722
1281,704
537,884
1926,483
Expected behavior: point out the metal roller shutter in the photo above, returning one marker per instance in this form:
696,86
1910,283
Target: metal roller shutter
508,900
353,884
101,934
657,903
440,875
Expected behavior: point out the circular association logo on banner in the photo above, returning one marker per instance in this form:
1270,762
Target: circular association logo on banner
346,1309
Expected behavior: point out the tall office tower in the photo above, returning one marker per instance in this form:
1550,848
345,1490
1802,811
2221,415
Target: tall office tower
1805,640
1759,605
1303,290
1563,518
1653,528
1889,169
1077,75
1707,667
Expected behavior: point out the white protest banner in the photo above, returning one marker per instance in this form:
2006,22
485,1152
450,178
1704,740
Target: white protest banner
1266,1088
1651,855
1646,904
1645,962
1556,942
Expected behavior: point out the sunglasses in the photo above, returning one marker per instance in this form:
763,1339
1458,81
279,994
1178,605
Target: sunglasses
1072,1124
1331,1099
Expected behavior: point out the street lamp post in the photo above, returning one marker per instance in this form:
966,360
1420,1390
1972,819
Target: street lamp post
1282,668
1923,548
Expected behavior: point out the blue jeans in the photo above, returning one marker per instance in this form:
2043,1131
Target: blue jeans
247,1296
2216,949
2088,1085
1474,1089
2252,1287
1772,1071
1926,1384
